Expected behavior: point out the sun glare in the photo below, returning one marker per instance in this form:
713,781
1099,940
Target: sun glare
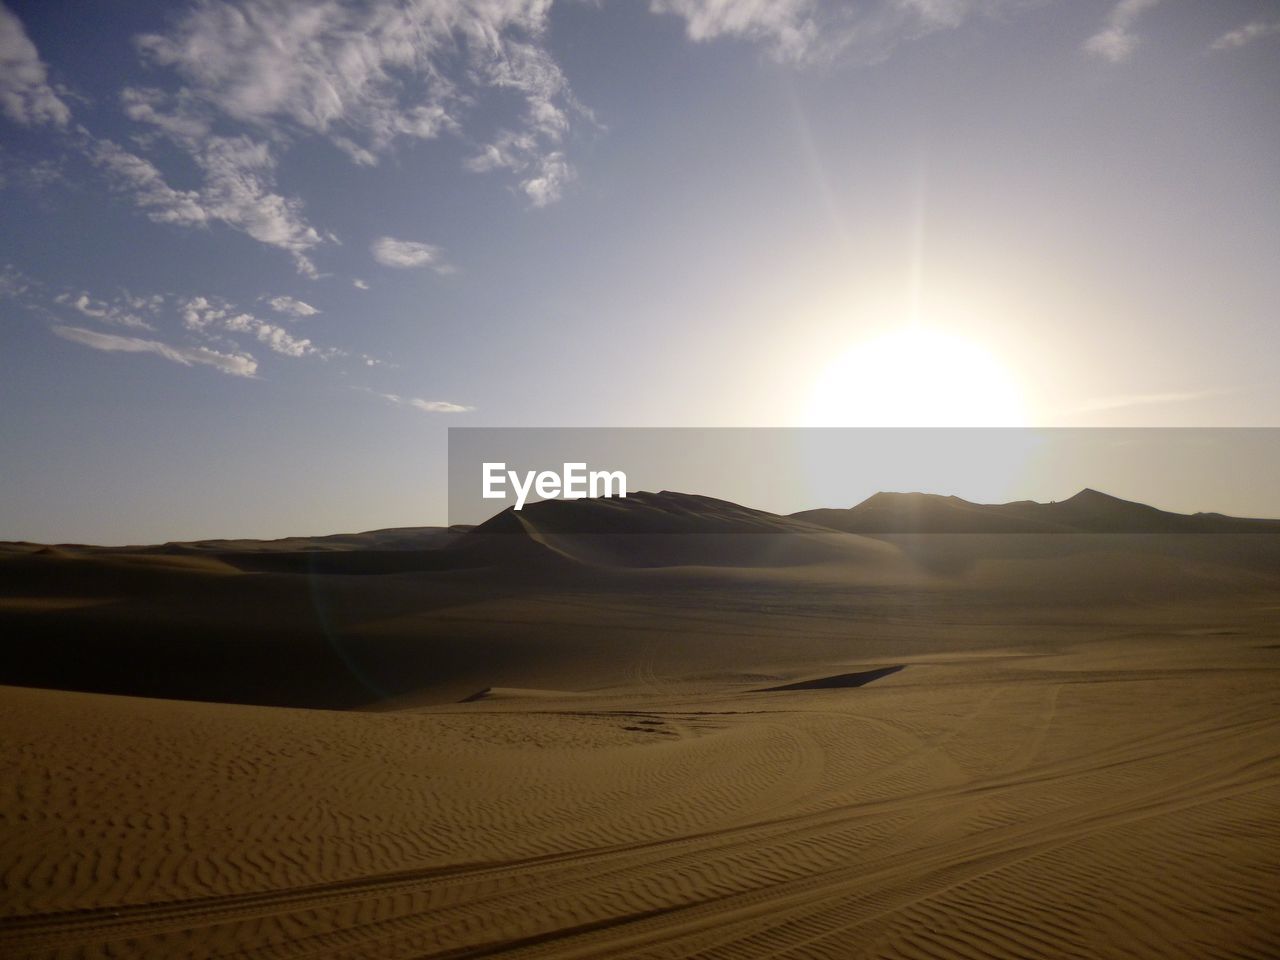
917,377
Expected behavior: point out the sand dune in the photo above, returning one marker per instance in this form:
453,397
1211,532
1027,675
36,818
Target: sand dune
758,738
1011,805
661,530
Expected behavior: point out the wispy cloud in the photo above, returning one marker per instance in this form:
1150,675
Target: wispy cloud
34,176
812,31
237,191
119,314
1246,34
426,406
366,75
360,284
235,364
789,27
216,329
14,283
140,178
212,318
293,307
1125,400
408,254
1116,41
25,94
543,174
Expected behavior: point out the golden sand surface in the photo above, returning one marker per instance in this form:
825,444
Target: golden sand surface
1117,796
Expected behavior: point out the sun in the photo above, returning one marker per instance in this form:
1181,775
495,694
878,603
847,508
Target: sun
917,376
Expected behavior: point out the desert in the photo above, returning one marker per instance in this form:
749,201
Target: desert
717,479
743,735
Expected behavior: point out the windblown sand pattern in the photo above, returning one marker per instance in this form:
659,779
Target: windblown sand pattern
785,741
1115,799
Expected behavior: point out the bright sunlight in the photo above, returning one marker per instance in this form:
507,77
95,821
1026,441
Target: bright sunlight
917,377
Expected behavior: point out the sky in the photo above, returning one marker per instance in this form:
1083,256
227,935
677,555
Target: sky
256,258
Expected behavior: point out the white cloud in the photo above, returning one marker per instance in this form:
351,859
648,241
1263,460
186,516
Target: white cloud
31,175
239,177
1123,401
1246,34
408,254
146,105
789,27
360,284
25,94
277,338
209,318
427,406
237,191
293,307
361,75
199,314
438,406
1116,40
113,313
236,364
544,174
13,282
809,31
141,179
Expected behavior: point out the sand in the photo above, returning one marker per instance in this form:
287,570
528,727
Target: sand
1077,755
1117,800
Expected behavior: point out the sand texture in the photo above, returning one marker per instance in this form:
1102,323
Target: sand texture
1011,747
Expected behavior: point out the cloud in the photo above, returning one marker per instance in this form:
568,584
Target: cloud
543,175
1123,401
427,406
14,283
211,318
361,75
277,338
1116,40
547,181
113,313
408,254
235,364
25,94
143,181
237,191
292,307
803,32
24,172
360,284
789,27
1246,34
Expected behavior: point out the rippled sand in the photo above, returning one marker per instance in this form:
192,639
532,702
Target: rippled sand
1112,798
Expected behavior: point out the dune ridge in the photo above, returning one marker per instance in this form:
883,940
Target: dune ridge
1002,806
525,741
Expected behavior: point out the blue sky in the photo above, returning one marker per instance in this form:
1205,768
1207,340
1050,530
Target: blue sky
257,257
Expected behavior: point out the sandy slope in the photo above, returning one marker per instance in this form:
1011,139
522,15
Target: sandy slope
1079,757
1111,799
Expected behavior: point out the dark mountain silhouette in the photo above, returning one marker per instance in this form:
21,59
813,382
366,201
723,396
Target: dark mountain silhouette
352,619
1089,511
654,530
642,512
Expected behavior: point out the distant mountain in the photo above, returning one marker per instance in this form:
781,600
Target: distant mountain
665,512
1089,511
656,529
390,538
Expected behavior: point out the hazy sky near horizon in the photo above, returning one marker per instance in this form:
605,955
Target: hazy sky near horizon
256,257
